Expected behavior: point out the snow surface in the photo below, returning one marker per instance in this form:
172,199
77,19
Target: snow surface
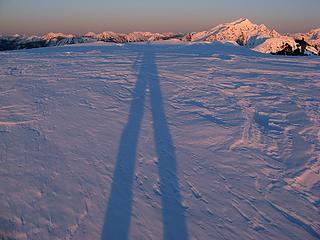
159,141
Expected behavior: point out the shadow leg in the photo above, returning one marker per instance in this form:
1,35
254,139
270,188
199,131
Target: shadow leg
174,221
118,214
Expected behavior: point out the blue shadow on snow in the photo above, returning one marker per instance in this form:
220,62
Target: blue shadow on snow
118,213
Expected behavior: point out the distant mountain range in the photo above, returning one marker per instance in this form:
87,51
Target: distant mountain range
242,32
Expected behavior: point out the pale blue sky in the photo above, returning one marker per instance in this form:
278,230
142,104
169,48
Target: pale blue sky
80,16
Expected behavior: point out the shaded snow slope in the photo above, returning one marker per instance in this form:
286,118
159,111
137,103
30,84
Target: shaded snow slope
273,45
158,141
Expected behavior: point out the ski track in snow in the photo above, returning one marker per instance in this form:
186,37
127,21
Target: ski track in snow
174,141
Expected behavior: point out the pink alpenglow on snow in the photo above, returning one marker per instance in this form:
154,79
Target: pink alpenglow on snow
163,140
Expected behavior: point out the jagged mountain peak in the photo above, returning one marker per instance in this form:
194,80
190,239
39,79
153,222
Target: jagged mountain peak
241,31
242,21
52,35
90,34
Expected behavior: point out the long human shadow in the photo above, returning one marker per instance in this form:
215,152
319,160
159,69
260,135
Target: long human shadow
118,214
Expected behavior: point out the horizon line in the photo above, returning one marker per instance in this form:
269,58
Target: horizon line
83,33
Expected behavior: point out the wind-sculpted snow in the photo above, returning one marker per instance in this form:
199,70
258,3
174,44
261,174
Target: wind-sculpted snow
167,140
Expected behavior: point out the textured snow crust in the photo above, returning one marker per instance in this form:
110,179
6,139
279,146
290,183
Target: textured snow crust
166,140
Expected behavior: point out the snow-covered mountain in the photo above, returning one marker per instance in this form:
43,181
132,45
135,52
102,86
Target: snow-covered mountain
130,37
107,36
257,37
60,39
15,42
20,42
242,31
